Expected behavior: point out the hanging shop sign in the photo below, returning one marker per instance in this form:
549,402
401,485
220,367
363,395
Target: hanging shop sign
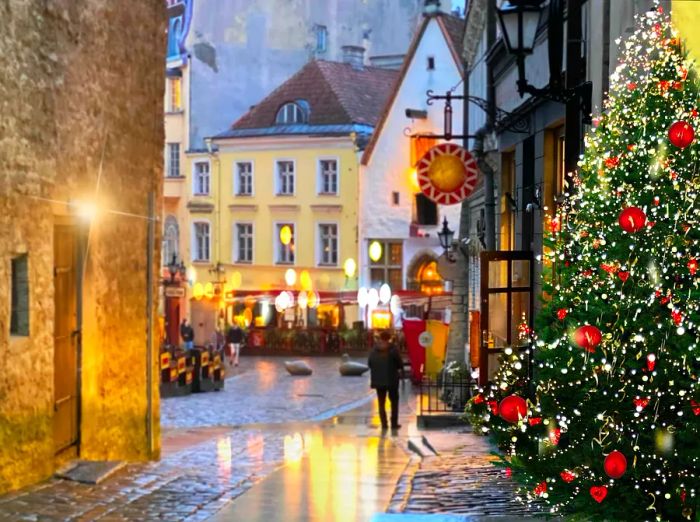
174,291
447,174
425,339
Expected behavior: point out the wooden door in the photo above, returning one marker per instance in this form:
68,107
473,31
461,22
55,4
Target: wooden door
172,317
506,298
66,337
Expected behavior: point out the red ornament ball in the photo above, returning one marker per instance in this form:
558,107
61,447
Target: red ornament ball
632,219
681,134
615,464
587,337
512,408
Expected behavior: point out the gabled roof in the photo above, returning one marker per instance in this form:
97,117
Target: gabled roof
337,94
453,29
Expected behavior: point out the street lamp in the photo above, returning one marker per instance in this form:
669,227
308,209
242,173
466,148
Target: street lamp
519,22
175,268
446,235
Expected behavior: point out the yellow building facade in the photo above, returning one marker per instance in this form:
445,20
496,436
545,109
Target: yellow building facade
246,255
272,204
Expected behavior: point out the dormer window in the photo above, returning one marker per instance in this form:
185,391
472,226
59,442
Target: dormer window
293,112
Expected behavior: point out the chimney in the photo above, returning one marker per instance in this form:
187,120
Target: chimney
387,61
354,55
431,7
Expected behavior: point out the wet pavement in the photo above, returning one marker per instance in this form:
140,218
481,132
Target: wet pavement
460,483
273,447
261,391
216,446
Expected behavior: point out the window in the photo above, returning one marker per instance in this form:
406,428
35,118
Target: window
389,267
284,253
431,63
395,199
174,35
328,177
171,240
244,243
292,112
425,210
174,94
201,235
201,178
321,38
328,235
19,318
173,167
244,179
285,178
509,207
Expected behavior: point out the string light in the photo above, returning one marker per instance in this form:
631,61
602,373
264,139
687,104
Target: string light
636,391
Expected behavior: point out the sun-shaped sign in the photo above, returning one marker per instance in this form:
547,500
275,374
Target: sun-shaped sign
447,174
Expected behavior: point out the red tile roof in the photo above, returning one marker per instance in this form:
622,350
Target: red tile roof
336,92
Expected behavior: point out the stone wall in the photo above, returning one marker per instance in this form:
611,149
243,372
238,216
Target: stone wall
81,99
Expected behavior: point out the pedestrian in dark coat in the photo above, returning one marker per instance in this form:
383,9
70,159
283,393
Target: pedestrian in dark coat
386,366
187,334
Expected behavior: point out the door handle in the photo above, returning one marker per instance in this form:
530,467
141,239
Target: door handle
75,333
61,401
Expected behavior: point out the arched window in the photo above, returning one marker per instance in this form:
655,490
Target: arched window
171,236
293,112
429,280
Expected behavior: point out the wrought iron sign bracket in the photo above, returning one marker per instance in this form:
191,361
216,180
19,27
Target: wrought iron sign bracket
505,121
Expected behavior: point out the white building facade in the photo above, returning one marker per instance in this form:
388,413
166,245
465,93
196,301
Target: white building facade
393,211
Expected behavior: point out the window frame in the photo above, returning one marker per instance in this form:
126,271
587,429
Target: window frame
278,179
170,223
282,117
385,265
20,316
195,178
169,159
319,244
320,176
321,39
235,255
194,241
277,242
171,93
237,180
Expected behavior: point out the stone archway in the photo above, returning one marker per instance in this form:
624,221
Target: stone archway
422,274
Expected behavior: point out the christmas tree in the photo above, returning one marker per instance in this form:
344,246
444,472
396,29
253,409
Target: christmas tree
618,338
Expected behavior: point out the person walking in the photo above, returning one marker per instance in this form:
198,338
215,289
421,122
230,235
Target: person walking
187,334
218,340
385,366
234,337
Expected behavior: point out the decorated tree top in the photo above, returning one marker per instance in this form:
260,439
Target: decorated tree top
618,359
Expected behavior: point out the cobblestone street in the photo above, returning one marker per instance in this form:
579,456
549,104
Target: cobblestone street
461,481
261,391
272,447
214,448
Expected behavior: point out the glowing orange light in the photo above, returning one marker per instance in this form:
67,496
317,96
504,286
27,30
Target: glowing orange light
305,280
236,280
375,251
413,177
209,290
286,235
198,291
381,319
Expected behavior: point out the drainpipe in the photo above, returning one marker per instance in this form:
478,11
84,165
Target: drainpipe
484,132
150,248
